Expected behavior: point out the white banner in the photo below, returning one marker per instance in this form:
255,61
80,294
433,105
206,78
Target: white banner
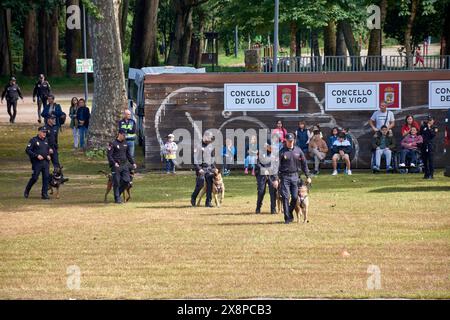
351,96
439,94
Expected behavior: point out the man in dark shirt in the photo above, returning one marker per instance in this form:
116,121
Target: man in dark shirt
39,152
41,90
52,139
266,172
292,159
120,159
428,132
129,125
12,94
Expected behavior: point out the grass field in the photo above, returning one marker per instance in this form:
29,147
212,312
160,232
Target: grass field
157,246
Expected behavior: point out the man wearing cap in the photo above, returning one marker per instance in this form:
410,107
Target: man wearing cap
120,159
129,125
39,152
12,94
41,90
204,158
292,159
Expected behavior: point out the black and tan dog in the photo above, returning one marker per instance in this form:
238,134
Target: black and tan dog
302,205
218,189
56,180
278,198
109,185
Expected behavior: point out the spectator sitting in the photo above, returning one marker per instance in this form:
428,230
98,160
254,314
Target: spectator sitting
303,136
383,143
409,123
333,137
251,155
382,117
318,149
170,153
341,149
228,154
409,147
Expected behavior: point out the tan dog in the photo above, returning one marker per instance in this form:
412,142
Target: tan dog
218,189
109,185
302,205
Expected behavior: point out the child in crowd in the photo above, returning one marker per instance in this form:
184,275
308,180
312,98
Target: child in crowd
409,147
228,154
251,155
303,136
170,153
341,150
318,149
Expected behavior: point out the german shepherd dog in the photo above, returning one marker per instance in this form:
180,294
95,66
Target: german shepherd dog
109,185
302,205
218,189
56,179
278,197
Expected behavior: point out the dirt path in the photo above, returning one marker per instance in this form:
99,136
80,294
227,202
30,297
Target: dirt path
27,109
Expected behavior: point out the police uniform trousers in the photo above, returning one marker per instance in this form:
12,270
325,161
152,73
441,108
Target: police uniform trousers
428,161
38,167
200,182
11,104
121,178
262,181
289,187
41,103
55,158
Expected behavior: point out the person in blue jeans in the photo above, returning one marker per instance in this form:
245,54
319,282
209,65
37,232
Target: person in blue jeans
83,116
303,135
251,151
228,154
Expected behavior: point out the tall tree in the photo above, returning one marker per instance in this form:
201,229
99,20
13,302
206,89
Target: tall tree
144,49
109,82
374,59
72,43
42,36
408,30
123,22
329,39
5,42
30,44
181,42
53,57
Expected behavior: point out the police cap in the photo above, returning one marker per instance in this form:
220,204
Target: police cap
290,137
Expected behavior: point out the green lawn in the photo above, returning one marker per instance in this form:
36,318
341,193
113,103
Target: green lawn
157,246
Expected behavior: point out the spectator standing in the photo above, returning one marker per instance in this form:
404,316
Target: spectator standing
74,121
83,116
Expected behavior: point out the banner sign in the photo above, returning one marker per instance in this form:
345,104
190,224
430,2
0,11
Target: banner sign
439,94
260,97
346,96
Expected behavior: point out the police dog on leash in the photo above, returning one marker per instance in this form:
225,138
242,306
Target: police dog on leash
302,205
218,189
109,185
56,179
278,197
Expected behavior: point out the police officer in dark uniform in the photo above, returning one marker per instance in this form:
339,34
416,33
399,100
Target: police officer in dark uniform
39,152
266,172
428,131
41,90
129,125
120,159
52,138
292,159
12,94
204,158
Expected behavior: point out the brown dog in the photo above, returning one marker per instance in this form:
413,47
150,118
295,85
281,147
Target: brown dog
278,197
109,185
302,205
218,189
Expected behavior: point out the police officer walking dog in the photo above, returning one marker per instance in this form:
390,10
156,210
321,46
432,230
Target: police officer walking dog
39,152
41,90
12,94
120,159
204,155
292,159
266,175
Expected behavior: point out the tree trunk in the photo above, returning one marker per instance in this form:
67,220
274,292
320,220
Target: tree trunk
30,45
42,42
123,22
341,48
446,32
329,39
109,98
374,60
180,47
73,44
201,40
292,45
144,50
298,47
53,58
5,42
408,31
352,45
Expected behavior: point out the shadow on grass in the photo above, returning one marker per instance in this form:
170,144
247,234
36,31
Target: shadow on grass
165,207
248,223
411,189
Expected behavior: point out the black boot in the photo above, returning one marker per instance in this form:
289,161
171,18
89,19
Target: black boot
45,197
